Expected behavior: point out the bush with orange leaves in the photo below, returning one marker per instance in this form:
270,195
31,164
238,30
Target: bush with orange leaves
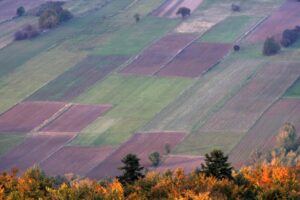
267,181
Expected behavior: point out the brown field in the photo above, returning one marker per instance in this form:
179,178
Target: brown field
286,17
26,116
34,149
244,109
159,54
76,80
76,118
187,163
170,7
195,60
262,136
75,159
142,145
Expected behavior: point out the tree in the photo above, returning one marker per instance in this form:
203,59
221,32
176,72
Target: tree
167,148
65,15
27,32
290,36
216,165
155,158
137,17
49,19
287,137
184,12
132,170
271,47
235,8
236,47
20,11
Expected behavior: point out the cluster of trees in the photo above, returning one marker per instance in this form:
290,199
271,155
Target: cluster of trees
28,32
50,14
217,180
289,37
286,151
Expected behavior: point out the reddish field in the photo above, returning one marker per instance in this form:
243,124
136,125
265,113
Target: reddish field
75,159
75,81
141,145
195,60
170,7
76,118
262,135
188,163
159,54
26,116
286,17
8,7
244,109
34,149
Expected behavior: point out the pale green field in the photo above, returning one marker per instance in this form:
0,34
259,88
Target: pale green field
135,99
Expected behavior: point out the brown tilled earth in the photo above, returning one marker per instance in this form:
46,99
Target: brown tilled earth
34,150
195,60
159,54
75,159
286,17
27,115
76,118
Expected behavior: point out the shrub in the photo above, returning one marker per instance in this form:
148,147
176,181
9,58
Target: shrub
49,19
20,11
167,148
137,17
236,47
184,12
155,158
235,8
65,15
290,36
28,32
271,47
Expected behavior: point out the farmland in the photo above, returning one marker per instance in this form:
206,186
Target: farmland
75,159
135,100
130,76
142,145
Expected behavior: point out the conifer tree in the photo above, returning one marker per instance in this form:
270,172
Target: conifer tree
132,170
216,165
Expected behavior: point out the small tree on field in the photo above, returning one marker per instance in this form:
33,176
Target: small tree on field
20,11
235,8
49,19
155,158
167,148
287,137
216,165
271,47
132,170
184,12
137,17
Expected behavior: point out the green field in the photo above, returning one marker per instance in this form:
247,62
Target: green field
230,29
202,143
9,141
135,99
294,90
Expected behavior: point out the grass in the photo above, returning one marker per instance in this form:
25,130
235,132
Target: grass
137,36
34,74
223,31
135,99
8,141
294,90
202,143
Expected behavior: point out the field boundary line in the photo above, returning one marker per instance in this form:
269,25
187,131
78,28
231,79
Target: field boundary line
173,57
58,149
276,99
52,118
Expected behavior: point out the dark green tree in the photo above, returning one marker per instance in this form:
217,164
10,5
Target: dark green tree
20,11
155,159
216,165
137,17
184,12
132,170
271,47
